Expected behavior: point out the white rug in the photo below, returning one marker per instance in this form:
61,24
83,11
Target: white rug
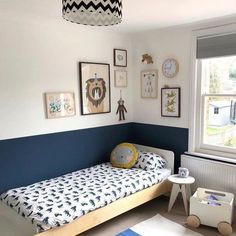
158,225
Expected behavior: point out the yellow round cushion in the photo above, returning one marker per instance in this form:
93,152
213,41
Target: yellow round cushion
124,155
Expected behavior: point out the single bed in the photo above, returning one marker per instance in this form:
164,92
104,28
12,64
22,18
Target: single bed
54,208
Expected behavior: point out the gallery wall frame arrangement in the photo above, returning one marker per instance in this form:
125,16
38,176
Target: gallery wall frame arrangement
120,78
59,104
120,57
170,102
94,88
149,83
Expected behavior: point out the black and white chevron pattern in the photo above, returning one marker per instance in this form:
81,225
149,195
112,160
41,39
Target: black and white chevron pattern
93,12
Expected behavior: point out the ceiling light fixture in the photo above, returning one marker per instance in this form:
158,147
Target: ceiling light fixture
93,12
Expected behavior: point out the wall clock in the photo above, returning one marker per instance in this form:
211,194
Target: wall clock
170,67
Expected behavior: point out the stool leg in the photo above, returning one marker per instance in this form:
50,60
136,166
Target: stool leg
184,195
174,193
189,192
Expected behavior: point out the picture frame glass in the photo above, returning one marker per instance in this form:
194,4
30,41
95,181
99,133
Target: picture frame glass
59,104
120,57
120,78
94,88
170,102
149,84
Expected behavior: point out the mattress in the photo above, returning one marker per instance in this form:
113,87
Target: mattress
59,201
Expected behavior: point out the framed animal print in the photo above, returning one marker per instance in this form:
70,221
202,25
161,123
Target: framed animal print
170,102
149,82
94,88
120,57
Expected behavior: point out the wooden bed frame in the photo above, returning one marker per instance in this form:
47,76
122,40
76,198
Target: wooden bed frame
118,207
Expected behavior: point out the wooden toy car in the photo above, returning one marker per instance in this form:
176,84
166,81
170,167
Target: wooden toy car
212,208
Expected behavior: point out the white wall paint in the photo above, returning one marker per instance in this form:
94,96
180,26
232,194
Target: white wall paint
161,44
41,54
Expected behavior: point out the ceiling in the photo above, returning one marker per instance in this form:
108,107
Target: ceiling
137,14
143,14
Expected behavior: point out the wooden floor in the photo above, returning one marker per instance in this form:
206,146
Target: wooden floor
146,211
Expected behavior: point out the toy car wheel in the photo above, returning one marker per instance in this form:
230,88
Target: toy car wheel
193,221
225,228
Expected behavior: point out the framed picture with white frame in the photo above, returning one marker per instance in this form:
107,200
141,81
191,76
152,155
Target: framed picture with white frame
120,78
59,104
149,83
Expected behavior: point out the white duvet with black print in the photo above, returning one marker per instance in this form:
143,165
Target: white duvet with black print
59,201
150,161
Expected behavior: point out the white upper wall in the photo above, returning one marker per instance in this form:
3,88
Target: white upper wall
161,44
41,54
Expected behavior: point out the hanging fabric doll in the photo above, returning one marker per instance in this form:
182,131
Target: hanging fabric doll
121,108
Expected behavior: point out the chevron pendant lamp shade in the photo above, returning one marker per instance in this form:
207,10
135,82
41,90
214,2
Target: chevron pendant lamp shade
93,12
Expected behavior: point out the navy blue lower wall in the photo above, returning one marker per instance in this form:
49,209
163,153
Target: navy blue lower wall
27,160
171,138
31,159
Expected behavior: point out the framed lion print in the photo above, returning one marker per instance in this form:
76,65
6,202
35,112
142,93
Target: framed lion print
94,88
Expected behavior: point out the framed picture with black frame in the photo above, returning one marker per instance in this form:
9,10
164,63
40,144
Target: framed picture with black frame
120,57
94,88
170,102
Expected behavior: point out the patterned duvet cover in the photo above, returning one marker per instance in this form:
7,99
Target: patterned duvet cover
59,201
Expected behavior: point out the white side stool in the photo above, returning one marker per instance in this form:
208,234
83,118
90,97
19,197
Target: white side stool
180,185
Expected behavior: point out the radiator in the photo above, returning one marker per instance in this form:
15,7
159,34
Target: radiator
211,174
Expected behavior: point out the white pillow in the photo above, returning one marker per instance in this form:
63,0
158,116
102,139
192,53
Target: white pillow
150,161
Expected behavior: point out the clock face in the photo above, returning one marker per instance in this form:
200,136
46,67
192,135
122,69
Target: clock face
170,68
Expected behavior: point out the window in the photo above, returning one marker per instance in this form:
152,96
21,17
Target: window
218,86
215,108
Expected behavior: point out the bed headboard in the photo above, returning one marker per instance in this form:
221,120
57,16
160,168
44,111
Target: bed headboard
168,155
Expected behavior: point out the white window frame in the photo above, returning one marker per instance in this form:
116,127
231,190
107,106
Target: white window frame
195,105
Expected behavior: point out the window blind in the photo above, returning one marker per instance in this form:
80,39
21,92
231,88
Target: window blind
216,46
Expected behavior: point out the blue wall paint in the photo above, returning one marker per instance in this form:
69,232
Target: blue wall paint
27,160
171,138
31,159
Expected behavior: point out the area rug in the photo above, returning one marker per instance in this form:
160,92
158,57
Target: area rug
158,225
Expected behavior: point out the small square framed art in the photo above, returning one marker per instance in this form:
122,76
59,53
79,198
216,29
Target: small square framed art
120,78
120,57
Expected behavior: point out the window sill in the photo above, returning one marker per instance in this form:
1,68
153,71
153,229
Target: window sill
212,157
